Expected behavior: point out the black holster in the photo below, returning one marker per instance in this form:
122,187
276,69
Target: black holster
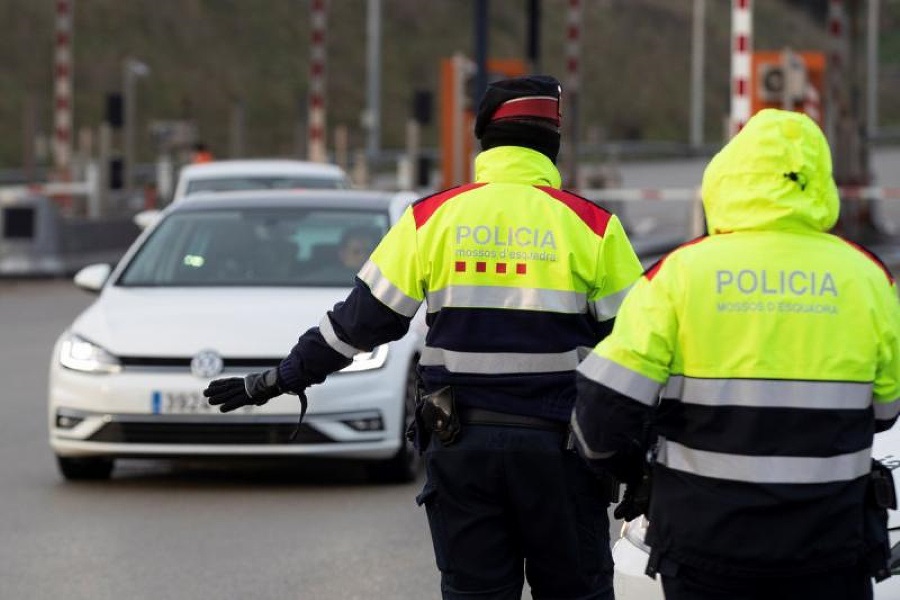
880,497
436,414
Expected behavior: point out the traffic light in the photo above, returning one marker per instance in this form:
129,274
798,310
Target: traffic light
115,115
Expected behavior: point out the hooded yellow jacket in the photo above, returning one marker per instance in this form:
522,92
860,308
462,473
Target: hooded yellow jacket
767,353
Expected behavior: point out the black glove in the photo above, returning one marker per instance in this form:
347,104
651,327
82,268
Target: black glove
235,392
635,501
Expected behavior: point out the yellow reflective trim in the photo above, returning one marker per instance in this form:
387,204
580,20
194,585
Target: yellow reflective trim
765,469
769,393
616,377
493,363
885,411
326,328
474,296
386,292
607,308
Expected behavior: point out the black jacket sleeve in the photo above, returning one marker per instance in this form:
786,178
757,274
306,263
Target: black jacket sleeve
360,322
612,431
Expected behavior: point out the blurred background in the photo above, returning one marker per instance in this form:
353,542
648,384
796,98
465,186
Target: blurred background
105,101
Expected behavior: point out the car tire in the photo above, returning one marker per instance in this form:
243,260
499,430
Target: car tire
85,469
406,464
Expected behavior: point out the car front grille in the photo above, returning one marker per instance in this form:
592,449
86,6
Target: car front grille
207,433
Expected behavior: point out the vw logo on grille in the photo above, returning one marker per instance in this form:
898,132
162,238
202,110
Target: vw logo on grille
206,364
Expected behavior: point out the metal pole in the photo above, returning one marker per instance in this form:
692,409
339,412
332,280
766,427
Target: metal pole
131,70
373,79
481,50
698,52
534,35
570,104
872,70
128,126
237,129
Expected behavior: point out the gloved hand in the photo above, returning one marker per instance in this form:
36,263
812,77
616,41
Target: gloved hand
234,392
635,501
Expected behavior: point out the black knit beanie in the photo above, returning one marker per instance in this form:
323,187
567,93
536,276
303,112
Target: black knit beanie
523,111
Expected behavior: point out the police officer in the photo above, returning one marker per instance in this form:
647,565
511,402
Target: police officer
766,356
521,279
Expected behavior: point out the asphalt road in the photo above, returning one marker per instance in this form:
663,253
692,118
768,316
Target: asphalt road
189,531
192,532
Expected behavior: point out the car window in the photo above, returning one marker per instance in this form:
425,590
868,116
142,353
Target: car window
257,247
279,182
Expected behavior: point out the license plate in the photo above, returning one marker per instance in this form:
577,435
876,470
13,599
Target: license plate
180,403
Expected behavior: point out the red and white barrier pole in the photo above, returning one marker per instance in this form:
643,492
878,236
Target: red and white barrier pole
316,127
837,56
741,52
571,89
62,90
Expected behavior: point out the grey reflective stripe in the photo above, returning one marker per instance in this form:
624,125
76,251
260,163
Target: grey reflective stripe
770,393
499,362
386,292
616,377
885,411
579,438
765,469
331,338
471,296
607,307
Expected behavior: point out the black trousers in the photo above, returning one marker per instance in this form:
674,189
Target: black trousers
694,584
507,503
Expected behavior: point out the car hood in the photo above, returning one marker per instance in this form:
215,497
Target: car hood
244,322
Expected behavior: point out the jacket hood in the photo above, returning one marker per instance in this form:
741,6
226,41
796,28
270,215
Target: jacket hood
775,174
515,164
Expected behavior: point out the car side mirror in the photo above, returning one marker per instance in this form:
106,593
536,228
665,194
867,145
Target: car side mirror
146,218
92,277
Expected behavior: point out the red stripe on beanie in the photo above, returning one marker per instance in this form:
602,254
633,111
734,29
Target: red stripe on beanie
538,107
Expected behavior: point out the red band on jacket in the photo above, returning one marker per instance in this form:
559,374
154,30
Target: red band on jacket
594,217
424,208
654,268
538,107
873,257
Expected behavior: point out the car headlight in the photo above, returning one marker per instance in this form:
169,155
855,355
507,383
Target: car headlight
366,361
79,354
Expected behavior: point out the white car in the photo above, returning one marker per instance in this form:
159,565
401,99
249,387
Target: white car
631,554
223,285
258,174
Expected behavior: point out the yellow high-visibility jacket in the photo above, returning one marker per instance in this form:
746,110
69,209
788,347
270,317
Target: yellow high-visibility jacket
520,279
767,354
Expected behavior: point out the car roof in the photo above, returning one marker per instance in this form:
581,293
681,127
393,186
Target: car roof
245,167
327,198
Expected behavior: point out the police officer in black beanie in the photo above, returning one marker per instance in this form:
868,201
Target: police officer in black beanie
518,276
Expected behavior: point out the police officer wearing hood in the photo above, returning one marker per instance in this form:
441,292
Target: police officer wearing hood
520,279
765,356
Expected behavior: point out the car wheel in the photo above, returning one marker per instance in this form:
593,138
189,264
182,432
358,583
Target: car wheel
404,466
82,469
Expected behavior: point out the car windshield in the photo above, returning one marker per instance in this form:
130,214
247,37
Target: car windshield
266,182
257,247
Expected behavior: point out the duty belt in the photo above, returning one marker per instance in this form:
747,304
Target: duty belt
482,416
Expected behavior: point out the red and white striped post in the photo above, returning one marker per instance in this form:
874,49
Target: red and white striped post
316,128
62,90
837,55
741,53
573,83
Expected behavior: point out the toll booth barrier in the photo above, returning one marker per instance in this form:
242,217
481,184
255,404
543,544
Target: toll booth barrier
37,240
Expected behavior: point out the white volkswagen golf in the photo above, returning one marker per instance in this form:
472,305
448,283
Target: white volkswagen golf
223,285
